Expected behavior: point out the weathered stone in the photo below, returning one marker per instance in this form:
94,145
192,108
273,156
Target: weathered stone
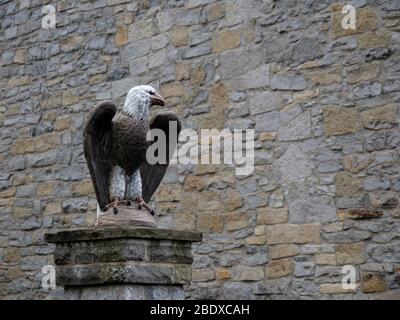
222,273
303,269
269,121
373,282
297,128
244,60
294,164
374,39
367,90
359,214
113,233
197,51
215,11
318,209
121,37
326,259
326,77
232,200
69,97
225,40
292,233
165,20
182,72
141,29
363,72
279,268
288,82
202,275
179,37
242,273
356,163
255,240
347,236
276,199
173,89
352,253
209,222
380,118
271,216
283,250
331,288
238,290
347,185
339,120
273,286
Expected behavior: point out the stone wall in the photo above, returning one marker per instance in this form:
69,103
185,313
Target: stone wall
323,100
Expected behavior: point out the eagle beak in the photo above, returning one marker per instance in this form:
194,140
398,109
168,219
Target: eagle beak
157,100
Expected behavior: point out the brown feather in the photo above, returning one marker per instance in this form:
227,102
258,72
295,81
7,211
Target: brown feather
152,175
97,145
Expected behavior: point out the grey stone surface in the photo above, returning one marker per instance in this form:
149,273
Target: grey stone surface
125,292
288,82
294,164
118,232
123,272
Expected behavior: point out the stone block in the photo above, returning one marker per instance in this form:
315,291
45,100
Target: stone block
215,11
271,215
373,282
121,36
374,39
332,288
326,76
123,256
363,72
347,185
282,251
225,40
350,253
288,82
380,118
279,268
293,233
340,120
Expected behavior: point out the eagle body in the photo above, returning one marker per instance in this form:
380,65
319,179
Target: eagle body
129,143
115,148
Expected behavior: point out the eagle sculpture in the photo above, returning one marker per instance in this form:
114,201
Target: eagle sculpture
115,148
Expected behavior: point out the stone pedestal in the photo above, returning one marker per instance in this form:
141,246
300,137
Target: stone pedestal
123,263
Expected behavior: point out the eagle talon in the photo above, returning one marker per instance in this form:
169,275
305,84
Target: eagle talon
143,204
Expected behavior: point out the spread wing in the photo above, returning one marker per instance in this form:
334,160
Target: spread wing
97,145
152,174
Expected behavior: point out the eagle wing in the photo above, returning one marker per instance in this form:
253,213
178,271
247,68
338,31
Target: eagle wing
97,147
152,174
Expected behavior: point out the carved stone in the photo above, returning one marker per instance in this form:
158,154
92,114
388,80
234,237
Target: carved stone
127,216
123,263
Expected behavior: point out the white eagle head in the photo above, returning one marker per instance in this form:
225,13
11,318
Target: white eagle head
139,100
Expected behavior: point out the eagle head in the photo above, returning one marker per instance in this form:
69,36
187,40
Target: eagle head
140,99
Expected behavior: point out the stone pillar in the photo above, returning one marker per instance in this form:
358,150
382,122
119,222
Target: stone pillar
123,263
